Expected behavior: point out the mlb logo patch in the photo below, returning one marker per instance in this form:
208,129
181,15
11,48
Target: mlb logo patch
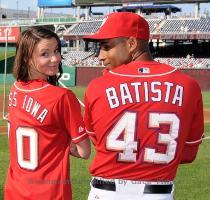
144,70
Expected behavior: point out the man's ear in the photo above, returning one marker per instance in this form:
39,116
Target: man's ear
132,43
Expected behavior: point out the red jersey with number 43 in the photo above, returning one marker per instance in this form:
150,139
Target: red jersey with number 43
142,117
43,120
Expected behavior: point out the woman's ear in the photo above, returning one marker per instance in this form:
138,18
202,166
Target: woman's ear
25,60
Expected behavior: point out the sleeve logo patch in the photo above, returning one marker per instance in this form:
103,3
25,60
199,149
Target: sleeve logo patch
81,129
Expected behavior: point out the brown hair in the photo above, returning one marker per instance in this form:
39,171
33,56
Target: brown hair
25,46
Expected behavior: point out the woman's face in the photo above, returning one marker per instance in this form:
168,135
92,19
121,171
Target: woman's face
45,59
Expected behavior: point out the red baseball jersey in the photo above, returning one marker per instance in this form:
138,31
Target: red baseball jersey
43,120
141,117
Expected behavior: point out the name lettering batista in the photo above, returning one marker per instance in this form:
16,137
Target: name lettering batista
138,92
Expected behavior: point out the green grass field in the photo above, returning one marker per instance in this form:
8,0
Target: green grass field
10,52
192,181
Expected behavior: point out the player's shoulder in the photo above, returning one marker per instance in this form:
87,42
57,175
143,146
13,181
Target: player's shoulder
62,95
185,77
97,83
177,73
187,81
62,91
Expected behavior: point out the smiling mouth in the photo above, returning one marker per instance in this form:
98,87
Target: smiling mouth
54,66
106,64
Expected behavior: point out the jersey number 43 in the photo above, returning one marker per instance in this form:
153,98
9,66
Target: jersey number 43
128,146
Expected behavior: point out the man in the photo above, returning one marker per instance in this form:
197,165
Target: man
144,117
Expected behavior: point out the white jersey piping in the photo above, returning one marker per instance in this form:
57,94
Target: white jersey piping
32,89
90,132
196,141
153,75
78,137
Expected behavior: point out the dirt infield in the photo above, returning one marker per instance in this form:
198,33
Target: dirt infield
3,130
207,115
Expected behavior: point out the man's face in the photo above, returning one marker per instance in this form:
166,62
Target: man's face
114,52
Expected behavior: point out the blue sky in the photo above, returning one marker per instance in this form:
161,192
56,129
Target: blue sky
32,5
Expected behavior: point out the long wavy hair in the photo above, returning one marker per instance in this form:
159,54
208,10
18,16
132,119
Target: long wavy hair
24,50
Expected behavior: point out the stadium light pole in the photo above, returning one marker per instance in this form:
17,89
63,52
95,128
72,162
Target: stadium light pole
5,73
28,11
17,9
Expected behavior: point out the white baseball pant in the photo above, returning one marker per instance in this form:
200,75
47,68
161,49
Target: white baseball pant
119,189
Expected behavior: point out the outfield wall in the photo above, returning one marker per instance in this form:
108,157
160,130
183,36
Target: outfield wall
10,62
68,77
85,74
81,76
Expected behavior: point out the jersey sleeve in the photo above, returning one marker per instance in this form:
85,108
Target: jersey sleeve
196,132
88,120
71,117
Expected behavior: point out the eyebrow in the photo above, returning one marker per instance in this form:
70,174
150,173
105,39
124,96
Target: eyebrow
113,41
103,42
48,49
44,49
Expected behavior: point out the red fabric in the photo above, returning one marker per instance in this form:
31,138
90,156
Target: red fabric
172,95
48,177
122,24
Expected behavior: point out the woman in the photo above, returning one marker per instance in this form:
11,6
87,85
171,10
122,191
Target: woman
43,120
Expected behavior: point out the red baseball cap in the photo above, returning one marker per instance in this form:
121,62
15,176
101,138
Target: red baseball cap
122,24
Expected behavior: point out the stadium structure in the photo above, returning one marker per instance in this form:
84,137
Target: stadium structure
178,40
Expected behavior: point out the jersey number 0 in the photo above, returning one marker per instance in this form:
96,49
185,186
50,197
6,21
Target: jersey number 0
31,133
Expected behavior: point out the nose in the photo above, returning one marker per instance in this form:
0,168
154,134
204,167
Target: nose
55,58
102,55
